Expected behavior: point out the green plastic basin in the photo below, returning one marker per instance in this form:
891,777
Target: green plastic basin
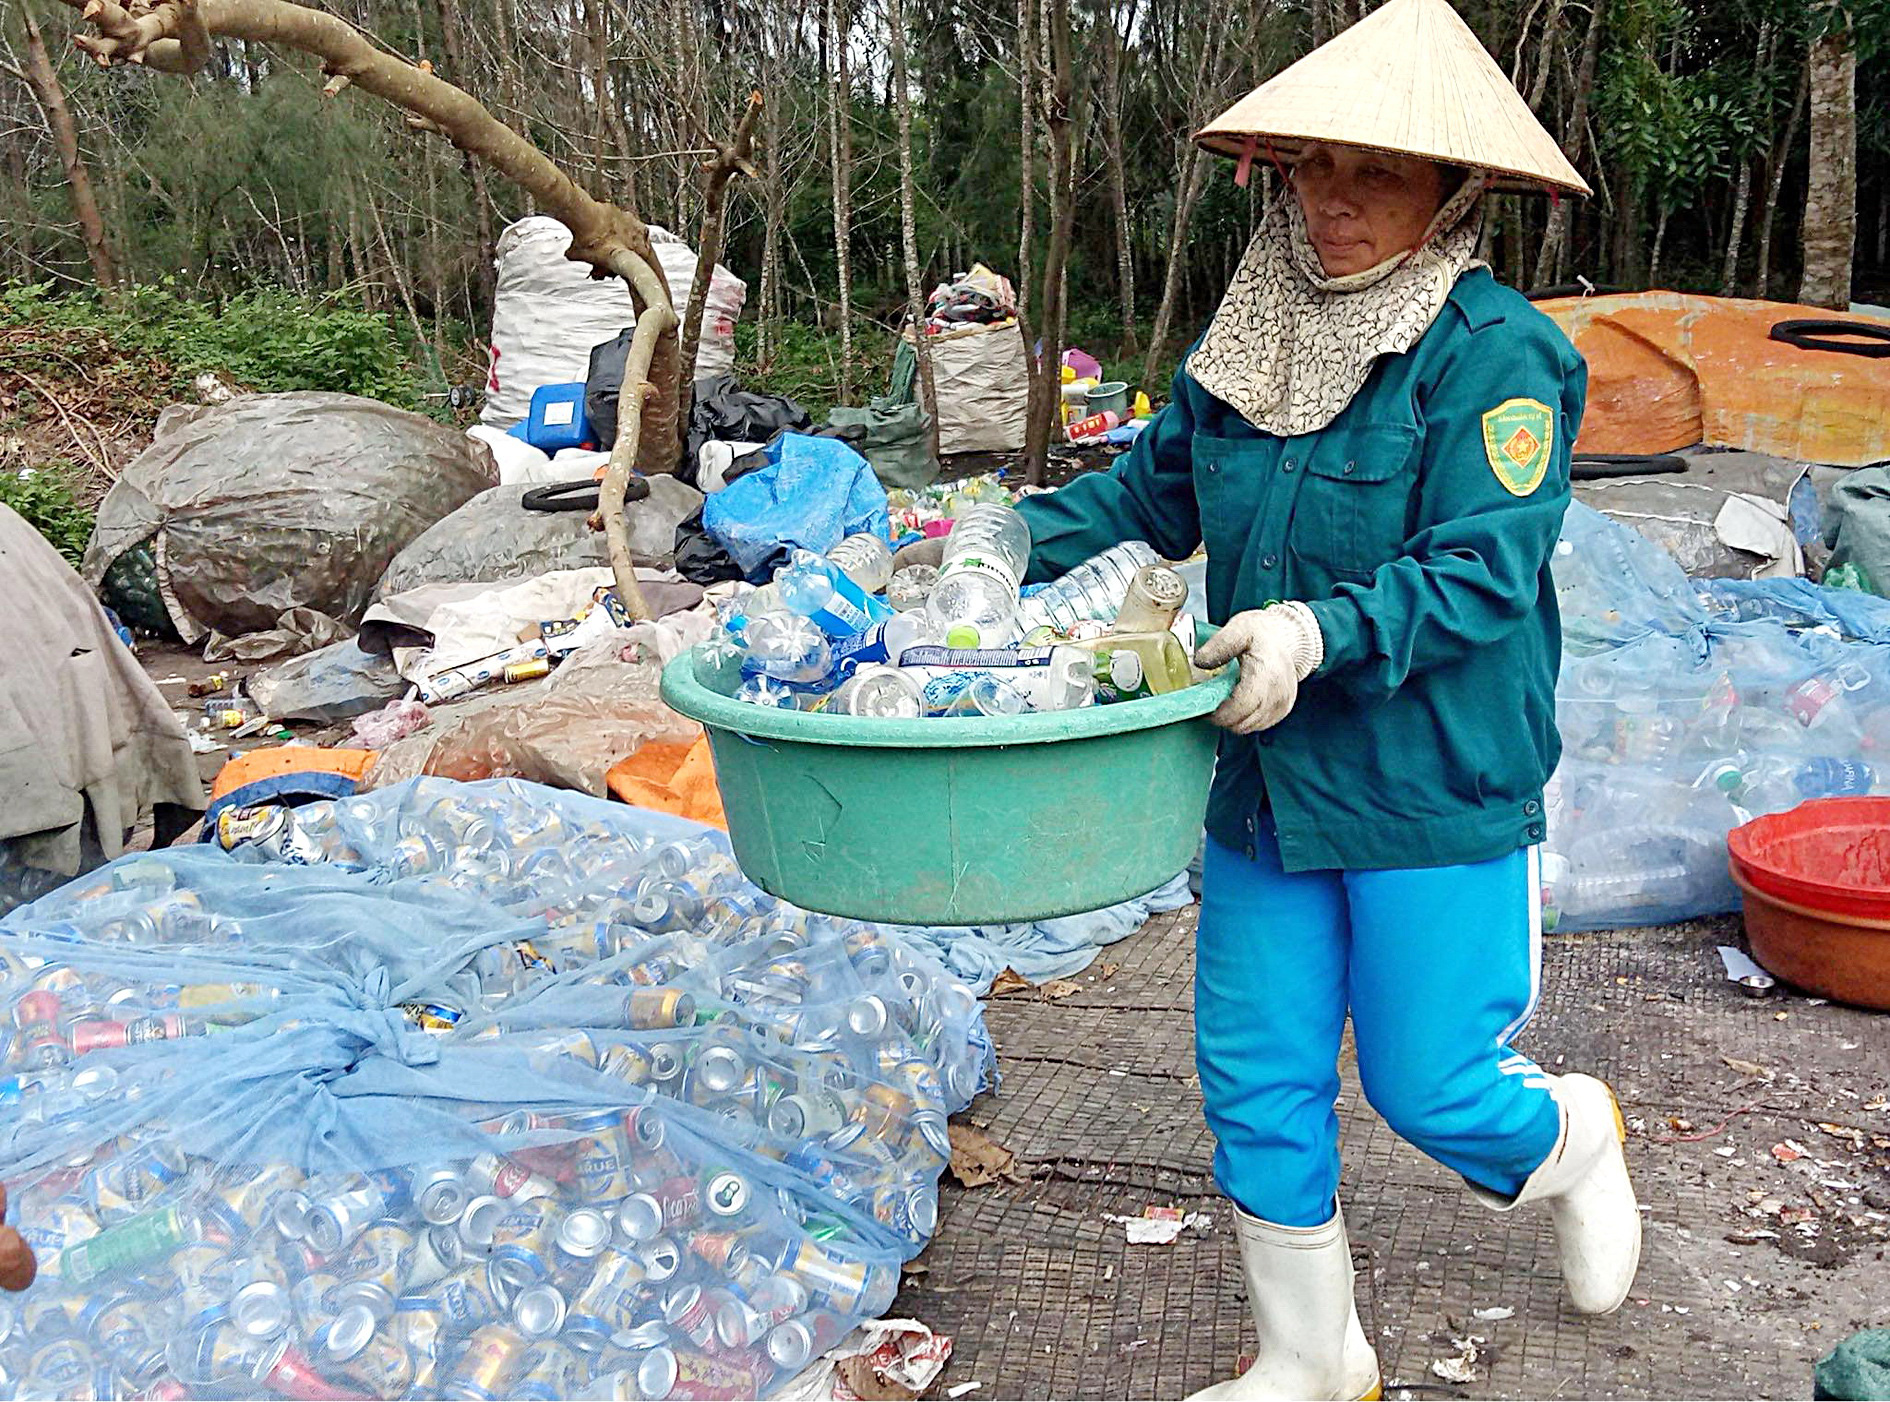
960,821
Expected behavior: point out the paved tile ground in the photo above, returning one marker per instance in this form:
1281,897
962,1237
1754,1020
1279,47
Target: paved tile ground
1753,1267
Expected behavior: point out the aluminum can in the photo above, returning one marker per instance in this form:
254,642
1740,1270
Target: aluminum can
666,1063
65,1223
41,1042
487,1367
549,1372
867,1016
650,1009
661,1260
480,1220
608,1301
240,1202
726,1195
603,1156
501,1177
582,1235
313,1298
829,1276
810,1114
124,1186
698,1375
146,1237
378,1266
681,1200
440,1194
522,1243
538,1311
437,1252
690,1314
420,1324
385,1367
639,1218
335,1221
261,1309
467,1299
625,1062
721,1252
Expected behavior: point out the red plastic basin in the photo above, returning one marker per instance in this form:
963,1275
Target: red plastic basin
1831,855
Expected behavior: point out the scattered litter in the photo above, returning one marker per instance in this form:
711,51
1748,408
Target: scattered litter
888,1358
1742,971
962,1389
1160,1226
1056,989
1461,1368
1725,1151
1495,1312
395,721
978,1159
202,744
1747,1068
1788,1151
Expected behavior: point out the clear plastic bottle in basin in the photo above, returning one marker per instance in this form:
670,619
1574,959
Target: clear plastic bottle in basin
975,601
1093,590
865,559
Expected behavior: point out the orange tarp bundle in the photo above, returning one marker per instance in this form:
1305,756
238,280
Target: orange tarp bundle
1667,370
276,761
670,778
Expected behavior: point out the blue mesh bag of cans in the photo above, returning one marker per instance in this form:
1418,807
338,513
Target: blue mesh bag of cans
1687,707
460,1091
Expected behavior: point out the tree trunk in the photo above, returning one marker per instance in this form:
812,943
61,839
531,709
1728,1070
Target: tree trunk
1026,160
483,270
1735,234
1574,133
1177,256
1119,182
1660,238
1829,231
44,81
908,218
1781,158
840,149
1058,100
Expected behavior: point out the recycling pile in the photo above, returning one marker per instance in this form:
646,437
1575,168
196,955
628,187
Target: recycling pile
461,1091
955,641
919,512
1690,706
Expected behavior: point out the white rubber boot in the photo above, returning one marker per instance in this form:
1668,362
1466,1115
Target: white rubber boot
1585,1183
1299,1287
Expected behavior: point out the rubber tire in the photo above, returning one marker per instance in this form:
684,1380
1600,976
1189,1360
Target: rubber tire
1809,333
1599,467
580,495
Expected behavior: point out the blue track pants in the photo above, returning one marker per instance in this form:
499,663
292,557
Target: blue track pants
1439,967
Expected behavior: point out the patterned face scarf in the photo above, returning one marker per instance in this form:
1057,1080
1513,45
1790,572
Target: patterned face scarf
1290,346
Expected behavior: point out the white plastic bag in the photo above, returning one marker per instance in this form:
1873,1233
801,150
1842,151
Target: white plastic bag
548,312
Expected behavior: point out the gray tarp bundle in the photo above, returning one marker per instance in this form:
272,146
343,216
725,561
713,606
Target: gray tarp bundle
493,537
272,502
82,728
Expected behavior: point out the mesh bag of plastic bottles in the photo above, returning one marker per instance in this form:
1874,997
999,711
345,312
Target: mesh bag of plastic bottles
1689,706
461,1091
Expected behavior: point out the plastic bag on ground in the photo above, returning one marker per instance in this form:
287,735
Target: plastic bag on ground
721,411
327,685
510,1093
813,493
493,537
1687,707
297,631
548,312
520,464
277,501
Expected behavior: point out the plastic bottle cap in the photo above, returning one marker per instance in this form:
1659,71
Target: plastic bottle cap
962,635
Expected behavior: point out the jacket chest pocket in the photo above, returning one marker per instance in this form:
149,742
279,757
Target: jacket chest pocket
1355,498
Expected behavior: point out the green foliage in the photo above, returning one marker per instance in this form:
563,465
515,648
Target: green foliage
804,364
263,340
47,500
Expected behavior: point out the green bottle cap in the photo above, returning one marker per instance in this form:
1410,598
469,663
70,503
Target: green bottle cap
963,635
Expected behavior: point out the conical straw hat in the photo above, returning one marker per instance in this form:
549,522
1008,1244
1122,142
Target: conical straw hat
1409,78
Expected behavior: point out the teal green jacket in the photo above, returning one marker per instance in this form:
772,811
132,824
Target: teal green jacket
1418,526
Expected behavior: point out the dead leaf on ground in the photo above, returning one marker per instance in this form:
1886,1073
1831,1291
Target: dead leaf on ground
1058,988
977,1159
1010,981
1109,971
868,1385
1747,1068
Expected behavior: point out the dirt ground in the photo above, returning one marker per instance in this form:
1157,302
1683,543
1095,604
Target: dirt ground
1759,1141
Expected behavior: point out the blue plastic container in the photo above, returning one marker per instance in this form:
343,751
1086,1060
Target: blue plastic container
557,419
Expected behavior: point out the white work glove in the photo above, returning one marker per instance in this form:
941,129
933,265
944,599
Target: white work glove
1279,646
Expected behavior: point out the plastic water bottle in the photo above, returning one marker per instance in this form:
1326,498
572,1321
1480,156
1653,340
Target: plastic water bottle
883,643
1095,589
866,561
1047,678
879,690
975,602
911,587
817,589
787,648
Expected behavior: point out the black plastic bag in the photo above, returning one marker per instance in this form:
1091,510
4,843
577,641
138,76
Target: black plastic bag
724,410
603,385
700,558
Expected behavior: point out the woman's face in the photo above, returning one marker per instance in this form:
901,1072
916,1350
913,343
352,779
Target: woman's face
1363,207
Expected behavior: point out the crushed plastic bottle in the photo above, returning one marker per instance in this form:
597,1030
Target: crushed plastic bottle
786,647
879,690
817,589
1093,590
865,560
